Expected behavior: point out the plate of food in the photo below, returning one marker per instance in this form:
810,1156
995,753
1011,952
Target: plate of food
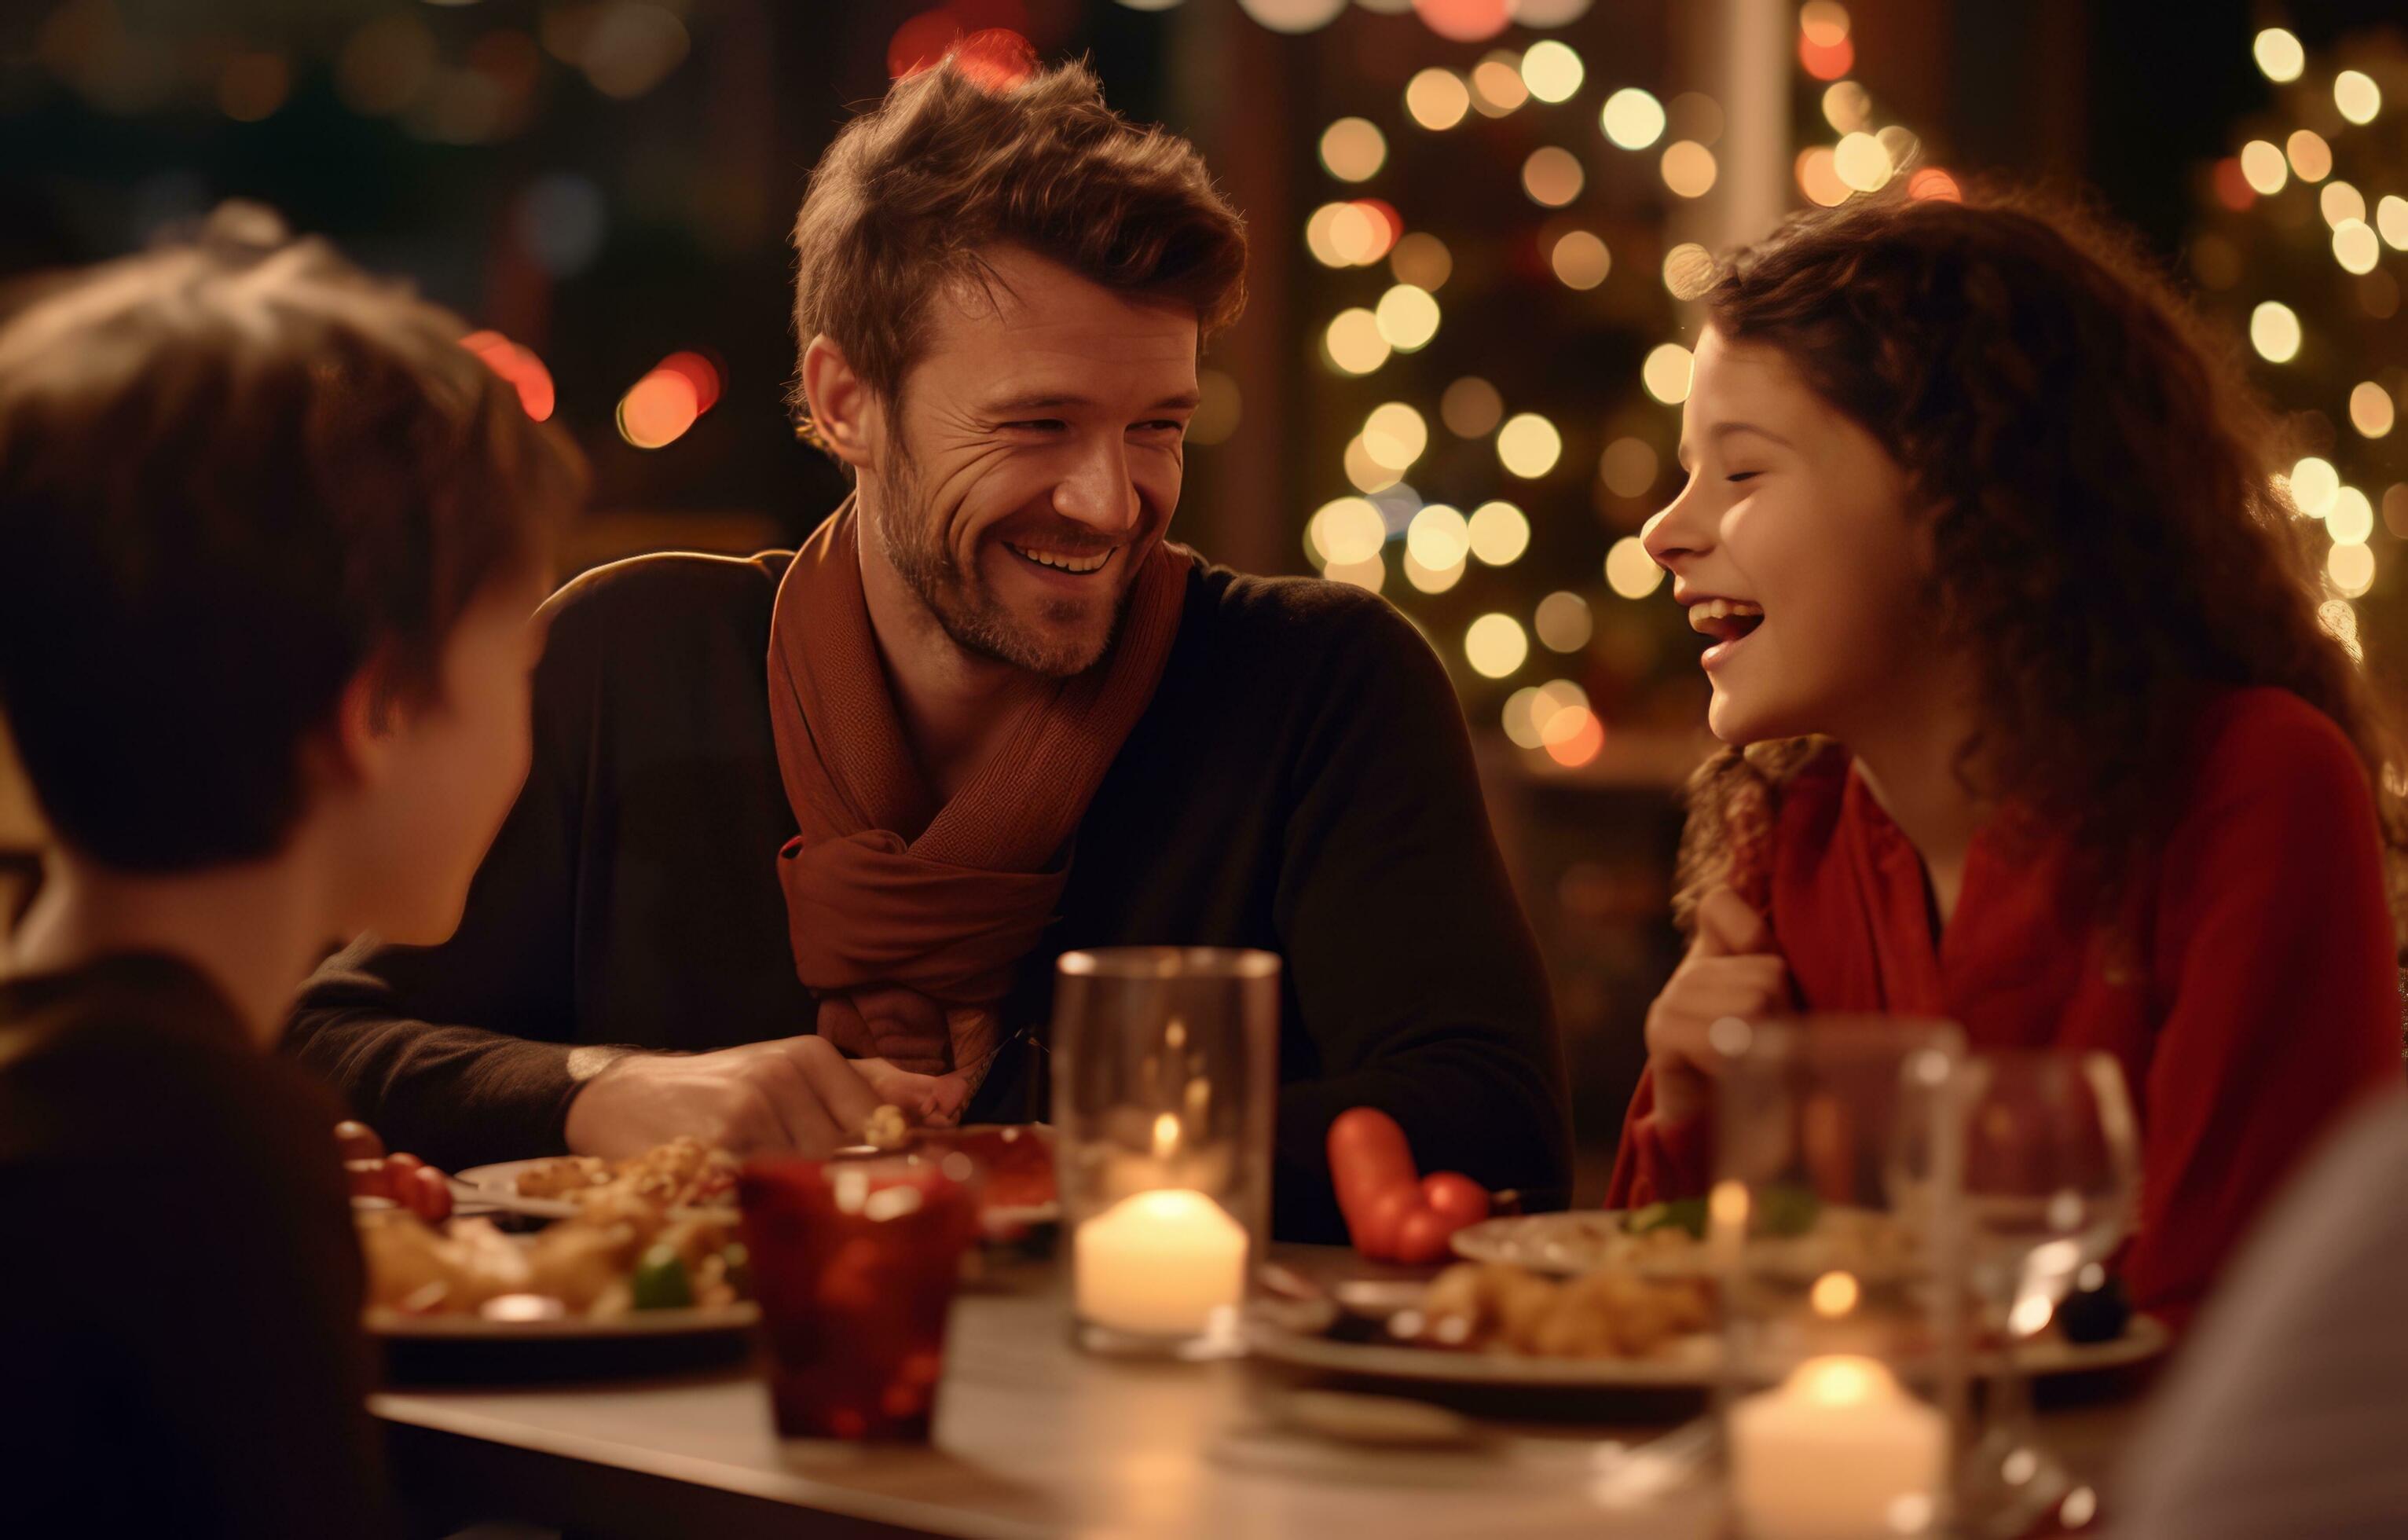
1796,1236
684,1176
1613,1329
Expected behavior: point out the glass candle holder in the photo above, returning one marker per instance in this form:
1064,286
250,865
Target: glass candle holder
854,1264
1165,1060
1833,1222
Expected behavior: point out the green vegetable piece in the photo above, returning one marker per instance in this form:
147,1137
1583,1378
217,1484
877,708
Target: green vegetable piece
1688,1213
660,1282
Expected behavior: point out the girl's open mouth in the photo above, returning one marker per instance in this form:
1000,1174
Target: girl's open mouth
1730,621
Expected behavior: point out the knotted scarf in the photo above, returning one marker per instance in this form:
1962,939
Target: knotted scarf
908,917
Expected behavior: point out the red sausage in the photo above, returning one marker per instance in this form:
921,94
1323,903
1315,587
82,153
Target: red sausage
1368,1160
429,1194
1458,1197
1423,1237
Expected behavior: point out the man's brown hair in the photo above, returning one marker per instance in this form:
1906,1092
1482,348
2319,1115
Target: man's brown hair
978,152
233,475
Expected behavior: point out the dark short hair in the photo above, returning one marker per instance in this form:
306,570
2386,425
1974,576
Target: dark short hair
979,151
233,474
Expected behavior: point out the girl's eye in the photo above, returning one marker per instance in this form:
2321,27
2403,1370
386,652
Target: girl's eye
1743,475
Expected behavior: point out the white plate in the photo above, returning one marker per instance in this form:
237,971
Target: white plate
1692,1364
695,1321
1559,1244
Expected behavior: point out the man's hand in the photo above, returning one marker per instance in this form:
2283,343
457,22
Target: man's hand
1732,970
794,1093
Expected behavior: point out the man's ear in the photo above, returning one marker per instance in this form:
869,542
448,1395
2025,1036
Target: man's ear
355,745
847,416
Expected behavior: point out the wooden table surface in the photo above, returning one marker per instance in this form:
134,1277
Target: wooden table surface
1032,1438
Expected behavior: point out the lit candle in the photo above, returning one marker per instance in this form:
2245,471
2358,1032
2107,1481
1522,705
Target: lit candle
1837,1451
1161,1264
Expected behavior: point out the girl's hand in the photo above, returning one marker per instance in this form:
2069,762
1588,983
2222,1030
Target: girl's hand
1732,970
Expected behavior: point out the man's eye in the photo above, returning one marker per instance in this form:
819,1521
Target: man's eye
1161,425
1039,425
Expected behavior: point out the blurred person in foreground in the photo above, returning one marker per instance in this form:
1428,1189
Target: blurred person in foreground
269,543
871,791
2034,722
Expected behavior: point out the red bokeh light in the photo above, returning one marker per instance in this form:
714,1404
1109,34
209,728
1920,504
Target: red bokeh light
658,409
920,42
1933,182
1391,225
1579,747
700,372
523,369
1465,20
997,58
2232,188
1825,60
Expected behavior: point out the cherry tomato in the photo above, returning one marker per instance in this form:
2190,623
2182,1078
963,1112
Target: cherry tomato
427,1193
1368,1158
358,1142
1457,1196
401,1163
1423,1237
1375,1234
366,1178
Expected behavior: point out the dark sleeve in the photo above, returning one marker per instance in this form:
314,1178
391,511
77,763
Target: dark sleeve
208,1332
1416,974
461,1053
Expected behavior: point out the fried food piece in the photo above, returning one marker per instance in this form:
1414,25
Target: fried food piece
886,1128
560,1178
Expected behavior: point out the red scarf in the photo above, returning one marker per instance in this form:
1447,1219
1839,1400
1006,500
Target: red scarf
907,918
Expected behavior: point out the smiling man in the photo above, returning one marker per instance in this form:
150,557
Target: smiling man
807,831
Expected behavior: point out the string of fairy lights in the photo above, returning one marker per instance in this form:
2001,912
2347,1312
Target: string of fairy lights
2284,204
1381,529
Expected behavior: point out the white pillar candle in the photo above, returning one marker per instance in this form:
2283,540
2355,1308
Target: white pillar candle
1837,1451
1160,1263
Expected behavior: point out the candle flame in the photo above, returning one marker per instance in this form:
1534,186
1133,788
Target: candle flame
1835,1294
1166,1134
1842,1380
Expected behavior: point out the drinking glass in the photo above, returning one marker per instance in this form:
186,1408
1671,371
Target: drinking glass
2052,1177
854,1264
1165,1060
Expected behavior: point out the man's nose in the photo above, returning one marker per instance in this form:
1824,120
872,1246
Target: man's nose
1097,491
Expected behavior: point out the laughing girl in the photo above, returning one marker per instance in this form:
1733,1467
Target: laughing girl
2032,722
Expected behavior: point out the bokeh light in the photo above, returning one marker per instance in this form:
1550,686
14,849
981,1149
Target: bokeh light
2351,567
1430,579
1819,177
1666,373
1499,533
1573,737
1349,235
2352,518
2314,484
1370,574
1293,16
2391,219
2358,96
2279,54
1497,85
2369,409
2354,246
1552,71
1552,177
1465,20
1546,13
1689,168
1422,260
1354,343
1564,622
1825,60
1345,531
521,367
2263,165
1495,645
1437,99
2275,332
1395,435
1407,317
2311,157
1847,107
1630,570
1632,119
1439,538
1364,473
1688,270
1354,149
1529,445
1824,22
1933,182
1472,407
658,409
1580,260
2339,202
1862,162
1218,408
1628,467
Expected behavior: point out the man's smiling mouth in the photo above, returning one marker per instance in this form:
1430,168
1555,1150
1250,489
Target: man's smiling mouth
1076,563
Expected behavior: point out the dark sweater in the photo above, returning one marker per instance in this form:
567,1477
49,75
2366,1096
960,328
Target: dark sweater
179,1307
1302,782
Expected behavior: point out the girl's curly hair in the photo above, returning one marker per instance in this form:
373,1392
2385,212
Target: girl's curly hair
2112,546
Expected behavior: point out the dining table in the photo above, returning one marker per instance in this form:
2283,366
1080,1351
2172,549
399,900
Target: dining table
1034,1437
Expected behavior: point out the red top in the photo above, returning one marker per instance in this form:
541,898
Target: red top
2265,1000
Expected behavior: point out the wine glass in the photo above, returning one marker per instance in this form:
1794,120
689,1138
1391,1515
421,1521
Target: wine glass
2051,1183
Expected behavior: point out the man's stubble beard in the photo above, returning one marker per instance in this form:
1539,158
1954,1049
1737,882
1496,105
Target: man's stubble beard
971,615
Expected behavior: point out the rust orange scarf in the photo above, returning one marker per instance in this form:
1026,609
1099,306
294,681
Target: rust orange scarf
907,917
